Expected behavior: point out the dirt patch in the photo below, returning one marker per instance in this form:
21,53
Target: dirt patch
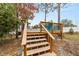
10,47
72,47
59,49
69,47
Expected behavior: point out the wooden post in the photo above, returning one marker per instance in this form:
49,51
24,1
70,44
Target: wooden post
52,27
40,27
25,50
62,33
50,40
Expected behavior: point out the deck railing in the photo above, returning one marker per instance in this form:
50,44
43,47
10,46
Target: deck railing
55,28
50,37
24,38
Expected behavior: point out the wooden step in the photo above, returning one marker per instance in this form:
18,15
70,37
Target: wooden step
35,51
48,54
35,37
35,33
37,40
37,44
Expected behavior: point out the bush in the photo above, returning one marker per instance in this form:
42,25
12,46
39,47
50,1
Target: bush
8,19
71,31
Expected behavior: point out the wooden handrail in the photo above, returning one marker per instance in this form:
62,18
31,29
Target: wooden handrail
51,22
48,32
50,38
45,22
24,38
58,24
24,35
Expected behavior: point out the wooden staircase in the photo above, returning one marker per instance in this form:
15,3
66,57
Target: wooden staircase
37,45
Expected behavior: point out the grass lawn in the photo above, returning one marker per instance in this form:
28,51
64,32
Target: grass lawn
74,36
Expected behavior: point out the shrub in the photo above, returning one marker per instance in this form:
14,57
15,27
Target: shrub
71,31
8,19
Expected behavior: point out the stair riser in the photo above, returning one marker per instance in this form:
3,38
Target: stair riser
37,35
39,53
31,48
36,42
35,38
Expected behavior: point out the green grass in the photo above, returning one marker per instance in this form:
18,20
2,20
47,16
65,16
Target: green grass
74,36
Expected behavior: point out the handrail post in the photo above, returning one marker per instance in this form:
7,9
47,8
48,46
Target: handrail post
40,27
62,33
50,45
48,38
52,28
25,49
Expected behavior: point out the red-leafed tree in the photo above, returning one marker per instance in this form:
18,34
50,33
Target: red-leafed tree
25,11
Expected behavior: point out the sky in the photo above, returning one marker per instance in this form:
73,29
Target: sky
69,11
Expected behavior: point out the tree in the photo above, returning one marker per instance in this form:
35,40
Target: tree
26,11
46,8
67,23
71,31
51,7
58,7
36,26
8,19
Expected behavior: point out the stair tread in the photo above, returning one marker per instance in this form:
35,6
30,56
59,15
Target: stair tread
34,36
48,54
36,40
37,44
36,33
30,52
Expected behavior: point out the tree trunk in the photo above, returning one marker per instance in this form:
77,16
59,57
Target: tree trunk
45,15
16,27
58,12
16,33
22,28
